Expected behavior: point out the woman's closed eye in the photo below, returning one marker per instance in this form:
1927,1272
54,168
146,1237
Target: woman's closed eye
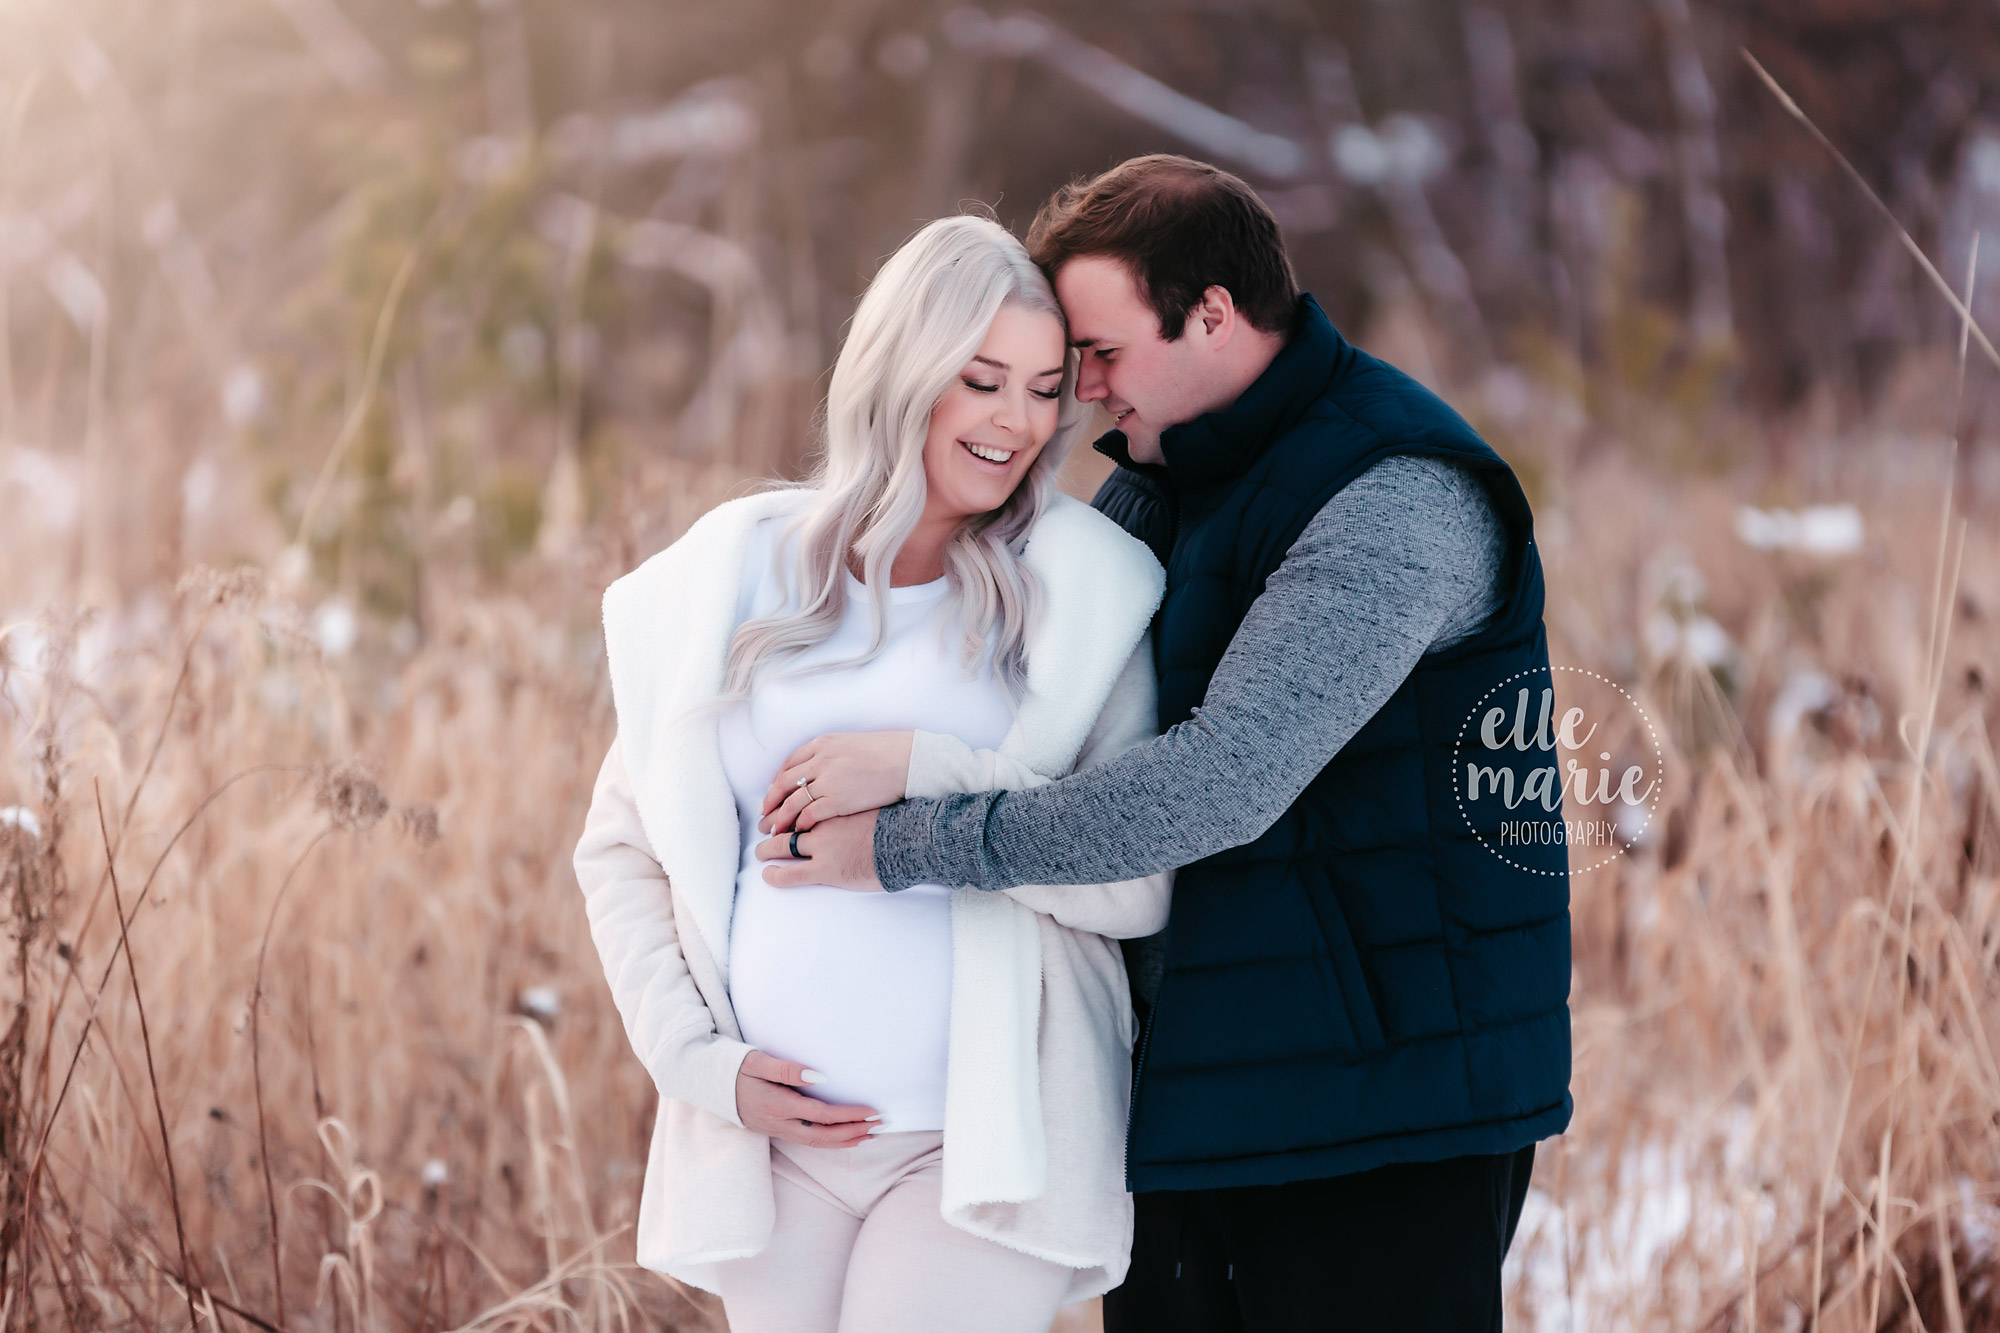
1049,395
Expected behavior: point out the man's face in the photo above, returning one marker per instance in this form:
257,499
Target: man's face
1145,382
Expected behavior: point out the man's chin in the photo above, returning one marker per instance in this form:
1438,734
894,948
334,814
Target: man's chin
1144,449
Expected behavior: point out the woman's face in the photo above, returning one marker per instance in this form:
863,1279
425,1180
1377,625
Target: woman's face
994,419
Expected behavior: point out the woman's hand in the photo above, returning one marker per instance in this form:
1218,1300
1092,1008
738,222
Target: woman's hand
766,1103
843,774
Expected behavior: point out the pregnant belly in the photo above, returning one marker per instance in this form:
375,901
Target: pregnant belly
856,986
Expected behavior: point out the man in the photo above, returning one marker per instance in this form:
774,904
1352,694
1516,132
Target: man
1355,1026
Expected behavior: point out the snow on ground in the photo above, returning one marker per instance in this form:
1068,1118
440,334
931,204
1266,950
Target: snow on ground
1658,1239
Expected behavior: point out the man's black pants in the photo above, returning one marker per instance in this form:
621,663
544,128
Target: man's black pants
1413,1247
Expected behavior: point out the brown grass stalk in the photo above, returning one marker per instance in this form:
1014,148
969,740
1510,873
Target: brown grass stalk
69,974
1903,237
152,1075
371,378
257,1075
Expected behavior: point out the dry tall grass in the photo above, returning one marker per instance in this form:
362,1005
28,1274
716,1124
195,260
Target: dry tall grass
366,990
1785,1077
373,1017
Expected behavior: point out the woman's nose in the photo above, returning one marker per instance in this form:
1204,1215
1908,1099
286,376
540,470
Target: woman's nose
1009,414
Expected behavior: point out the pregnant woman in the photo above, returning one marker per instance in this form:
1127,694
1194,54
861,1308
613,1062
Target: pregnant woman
882,1112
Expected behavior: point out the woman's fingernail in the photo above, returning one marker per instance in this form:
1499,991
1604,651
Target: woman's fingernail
811,1076
872,1117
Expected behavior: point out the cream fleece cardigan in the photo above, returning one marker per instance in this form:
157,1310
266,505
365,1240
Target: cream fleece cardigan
1041,1026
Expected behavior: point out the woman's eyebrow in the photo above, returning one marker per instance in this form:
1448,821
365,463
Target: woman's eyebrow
1002,365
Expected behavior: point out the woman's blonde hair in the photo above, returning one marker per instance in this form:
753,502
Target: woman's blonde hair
921,320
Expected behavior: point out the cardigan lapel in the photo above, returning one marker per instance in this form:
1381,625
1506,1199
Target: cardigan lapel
1099,591
667,627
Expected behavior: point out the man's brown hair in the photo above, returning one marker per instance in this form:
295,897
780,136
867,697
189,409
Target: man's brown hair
1181,227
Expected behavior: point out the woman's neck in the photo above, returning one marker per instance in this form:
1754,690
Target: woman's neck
921,560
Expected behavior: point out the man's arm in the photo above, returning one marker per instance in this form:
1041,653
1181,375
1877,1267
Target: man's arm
1402,560
944,765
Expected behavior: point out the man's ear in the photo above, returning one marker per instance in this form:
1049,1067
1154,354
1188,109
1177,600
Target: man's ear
1217,312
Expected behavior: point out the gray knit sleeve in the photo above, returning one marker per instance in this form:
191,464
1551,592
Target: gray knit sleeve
1400,562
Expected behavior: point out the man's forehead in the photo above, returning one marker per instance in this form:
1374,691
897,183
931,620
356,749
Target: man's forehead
1100,299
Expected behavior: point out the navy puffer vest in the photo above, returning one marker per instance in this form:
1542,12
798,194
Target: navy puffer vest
1365,983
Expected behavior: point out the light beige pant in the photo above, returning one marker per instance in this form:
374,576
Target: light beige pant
860,1247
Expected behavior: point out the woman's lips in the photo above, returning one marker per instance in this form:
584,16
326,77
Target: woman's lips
999,465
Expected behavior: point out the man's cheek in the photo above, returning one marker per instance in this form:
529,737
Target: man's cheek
1139,394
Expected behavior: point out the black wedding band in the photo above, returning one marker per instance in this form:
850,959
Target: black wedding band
798,855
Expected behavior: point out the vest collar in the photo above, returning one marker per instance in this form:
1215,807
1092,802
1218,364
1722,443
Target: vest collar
1114,446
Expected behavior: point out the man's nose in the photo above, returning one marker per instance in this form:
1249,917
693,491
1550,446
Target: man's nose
1089,382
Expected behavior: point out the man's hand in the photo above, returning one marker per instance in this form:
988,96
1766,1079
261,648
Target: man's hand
838,851
766,1103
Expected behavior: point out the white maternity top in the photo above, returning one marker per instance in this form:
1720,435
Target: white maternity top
854,985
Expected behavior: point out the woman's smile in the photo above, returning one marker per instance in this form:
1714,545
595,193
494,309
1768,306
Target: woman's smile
992,455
